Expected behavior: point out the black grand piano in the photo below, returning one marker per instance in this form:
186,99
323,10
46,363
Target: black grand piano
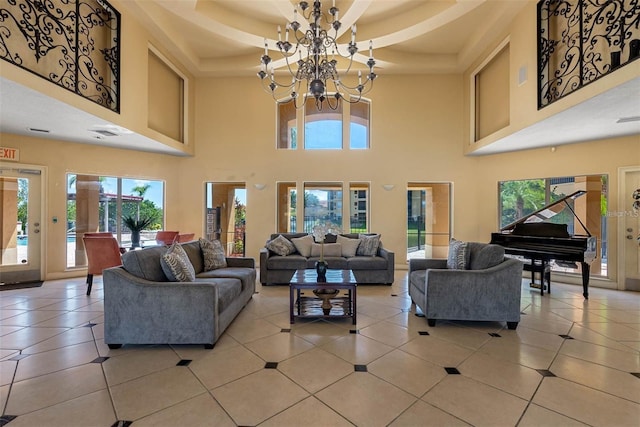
536,238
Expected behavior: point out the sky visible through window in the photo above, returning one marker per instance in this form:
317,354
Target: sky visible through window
327,135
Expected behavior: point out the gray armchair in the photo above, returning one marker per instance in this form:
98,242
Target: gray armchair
488,290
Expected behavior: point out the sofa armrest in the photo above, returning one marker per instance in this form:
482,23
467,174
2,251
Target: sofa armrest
264,256
391,266
426,264
246,262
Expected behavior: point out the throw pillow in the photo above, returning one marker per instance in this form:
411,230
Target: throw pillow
212,254
303,245
281,246
368,244
176,265
330,249
458,258
349,246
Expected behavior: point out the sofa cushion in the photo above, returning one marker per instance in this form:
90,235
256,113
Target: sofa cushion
349,246
367,263
368,244
176,265
330,250
246,275
333,262
290,262
281,246
145,263
485,256
212,254
459,254
228,290
303,245
194,252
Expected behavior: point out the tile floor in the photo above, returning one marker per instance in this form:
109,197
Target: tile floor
570,362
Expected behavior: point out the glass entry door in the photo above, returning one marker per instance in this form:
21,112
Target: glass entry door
428,220
20,205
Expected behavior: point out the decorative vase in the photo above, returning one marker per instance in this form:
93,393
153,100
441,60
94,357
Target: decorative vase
325,295
135,239
321,269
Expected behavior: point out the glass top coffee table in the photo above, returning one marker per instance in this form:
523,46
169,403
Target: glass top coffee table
326,302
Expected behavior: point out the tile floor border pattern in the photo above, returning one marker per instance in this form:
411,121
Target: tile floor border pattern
451,360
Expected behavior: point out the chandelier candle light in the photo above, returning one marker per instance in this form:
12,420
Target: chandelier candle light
318,51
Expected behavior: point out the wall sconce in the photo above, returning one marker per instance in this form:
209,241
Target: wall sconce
260,187
388,187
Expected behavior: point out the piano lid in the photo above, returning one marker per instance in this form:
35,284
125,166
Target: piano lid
546,213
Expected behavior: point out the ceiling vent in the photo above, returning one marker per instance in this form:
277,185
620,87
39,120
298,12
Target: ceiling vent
628,119
105,132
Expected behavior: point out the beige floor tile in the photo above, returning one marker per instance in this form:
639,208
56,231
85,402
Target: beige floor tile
612,381
579,315
388,333
47,390
69,337
279,347
475,402
31,318
376,310
33,302
536,416
7,371
26,337
154,392
437,351
633,345
622,360
9,313
259,396
584,333
201,410
136,364
222,366
7,300
4,330
506,376
70,319
4,394
366,400
8,354
546,340
466,334
620,316
315,369
585,404
357,349
56,360
310,413
522,354
319,332
94,409
409,320
553,324
407,372
423,414
247,330
614,331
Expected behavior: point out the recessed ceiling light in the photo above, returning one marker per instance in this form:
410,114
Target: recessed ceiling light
39,130
628,119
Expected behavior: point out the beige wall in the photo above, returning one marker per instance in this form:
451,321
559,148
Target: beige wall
419,128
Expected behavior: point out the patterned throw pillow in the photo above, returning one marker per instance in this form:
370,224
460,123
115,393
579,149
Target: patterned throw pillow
176,265
368,244
212,254
281,246
303,245
349,246
458,258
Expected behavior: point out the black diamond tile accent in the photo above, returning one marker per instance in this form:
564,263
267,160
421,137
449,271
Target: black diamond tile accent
6,419
523,313
493,334
452,371
566,337
184,362
423,333
100,360
354,331
419,315
546,373
635,374
122,423
394,295
360,368
90,325
286,331
271,365
19,356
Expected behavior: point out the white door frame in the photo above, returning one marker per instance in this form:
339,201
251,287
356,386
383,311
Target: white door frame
622,191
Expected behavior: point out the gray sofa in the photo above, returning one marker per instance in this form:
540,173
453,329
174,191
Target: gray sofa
488,289
142,307
278,269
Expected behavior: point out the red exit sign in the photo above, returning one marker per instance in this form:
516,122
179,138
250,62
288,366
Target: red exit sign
9,154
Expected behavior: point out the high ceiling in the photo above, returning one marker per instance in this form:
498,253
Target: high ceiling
226,38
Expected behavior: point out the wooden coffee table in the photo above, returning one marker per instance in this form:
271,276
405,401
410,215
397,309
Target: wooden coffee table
312,306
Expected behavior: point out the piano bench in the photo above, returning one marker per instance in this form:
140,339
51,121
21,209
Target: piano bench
544,269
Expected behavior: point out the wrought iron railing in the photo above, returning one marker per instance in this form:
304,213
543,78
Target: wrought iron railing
72,43
580,41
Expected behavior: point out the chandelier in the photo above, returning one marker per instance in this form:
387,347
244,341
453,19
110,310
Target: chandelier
315,73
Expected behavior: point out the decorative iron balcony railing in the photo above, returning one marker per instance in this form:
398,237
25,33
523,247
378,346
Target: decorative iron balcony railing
72,43
580,41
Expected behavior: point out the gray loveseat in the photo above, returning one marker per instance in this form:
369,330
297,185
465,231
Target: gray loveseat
279,269
487,289
142,307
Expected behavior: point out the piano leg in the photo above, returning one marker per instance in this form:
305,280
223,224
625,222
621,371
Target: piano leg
585,279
